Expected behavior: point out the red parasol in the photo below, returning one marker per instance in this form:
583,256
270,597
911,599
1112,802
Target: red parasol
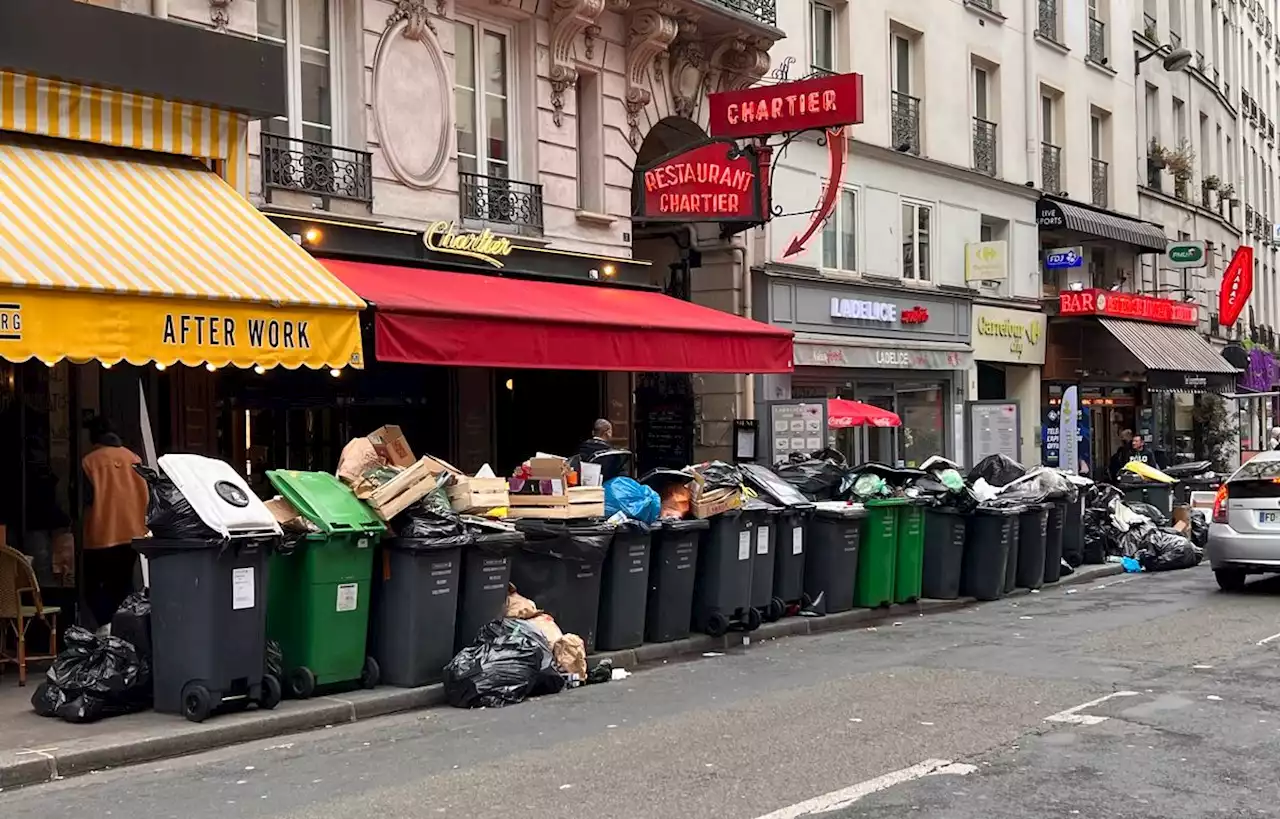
843,413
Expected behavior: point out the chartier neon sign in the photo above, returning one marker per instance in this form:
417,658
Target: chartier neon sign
444,237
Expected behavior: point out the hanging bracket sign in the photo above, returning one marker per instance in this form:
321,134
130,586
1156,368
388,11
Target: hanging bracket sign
829,101
714,181
1237,286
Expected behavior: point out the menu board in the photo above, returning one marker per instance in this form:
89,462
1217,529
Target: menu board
664,434
795,427
993,430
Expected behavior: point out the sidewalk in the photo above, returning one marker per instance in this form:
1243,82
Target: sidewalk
34,749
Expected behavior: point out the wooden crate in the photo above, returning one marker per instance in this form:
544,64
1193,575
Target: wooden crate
568,511
478,493
405,489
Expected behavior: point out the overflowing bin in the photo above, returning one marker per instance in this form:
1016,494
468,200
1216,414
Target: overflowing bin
765,515
318,603
1053,540
482,588
208,610
1032,525
944,536
559,567
878,559
789,554
833,545
1159,495
673,563
908,566
992,534
624,589
722,592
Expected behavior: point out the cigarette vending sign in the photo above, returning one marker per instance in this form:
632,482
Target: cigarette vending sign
714,181
1237,286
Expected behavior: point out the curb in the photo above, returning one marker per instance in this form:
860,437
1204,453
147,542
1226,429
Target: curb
322,712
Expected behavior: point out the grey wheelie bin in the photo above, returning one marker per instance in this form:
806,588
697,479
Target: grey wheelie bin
1159,495
559,568
722,591
673,564
208,589
1053,540
763,547
789,555
1011,559
944,534
415,606
992,534
482,588
1032,528
624,589
1073,530
833,544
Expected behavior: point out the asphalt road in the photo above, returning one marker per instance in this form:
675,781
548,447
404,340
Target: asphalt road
1186,724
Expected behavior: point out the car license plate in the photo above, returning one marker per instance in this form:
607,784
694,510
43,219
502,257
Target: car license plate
1269,517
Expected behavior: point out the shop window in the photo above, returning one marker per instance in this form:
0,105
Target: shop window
482,93
305,29
839,234
917,226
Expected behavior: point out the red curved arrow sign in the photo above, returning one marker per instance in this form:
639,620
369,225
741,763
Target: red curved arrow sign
836,153
1237,286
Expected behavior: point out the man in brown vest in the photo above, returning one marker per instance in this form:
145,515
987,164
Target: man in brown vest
115,513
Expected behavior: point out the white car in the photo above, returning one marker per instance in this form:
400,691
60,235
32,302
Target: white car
1244,532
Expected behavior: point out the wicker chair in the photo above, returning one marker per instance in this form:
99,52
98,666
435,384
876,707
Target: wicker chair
20,604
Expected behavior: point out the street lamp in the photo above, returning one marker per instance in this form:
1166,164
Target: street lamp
1175,59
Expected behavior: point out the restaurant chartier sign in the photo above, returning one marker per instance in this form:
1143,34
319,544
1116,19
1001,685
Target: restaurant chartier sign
713,182
1010,336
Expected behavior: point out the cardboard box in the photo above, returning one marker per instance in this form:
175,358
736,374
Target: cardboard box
548,468
706,504
389,442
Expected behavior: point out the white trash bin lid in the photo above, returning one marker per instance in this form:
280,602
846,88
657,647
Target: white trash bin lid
219,496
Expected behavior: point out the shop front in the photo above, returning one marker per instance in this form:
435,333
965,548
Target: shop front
1140,364
1009,352
905,351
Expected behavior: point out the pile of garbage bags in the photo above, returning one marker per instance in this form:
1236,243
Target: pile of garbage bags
1141,535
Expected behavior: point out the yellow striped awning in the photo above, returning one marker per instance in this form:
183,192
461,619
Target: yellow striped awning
122,255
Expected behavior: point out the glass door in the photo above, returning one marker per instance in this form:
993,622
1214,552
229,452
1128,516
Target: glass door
877,444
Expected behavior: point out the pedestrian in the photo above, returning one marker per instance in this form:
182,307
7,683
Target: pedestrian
1274,443
601,432
115,514
1140,453
1121,456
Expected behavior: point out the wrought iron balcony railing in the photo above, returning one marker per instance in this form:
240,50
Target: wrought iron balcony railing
1050,168
763,11
1047,25
985,146
1097,41
496,200
905,118
989,5
1175,39
1149,27
1101,182
314,168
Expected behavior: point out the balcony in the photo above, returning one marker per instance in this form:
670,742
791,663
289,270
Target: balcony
315,169
1047,24
762,11
1097,42
905,117
1149,27
989,5
1101,182
985,146
493,200
1050,168
1175,39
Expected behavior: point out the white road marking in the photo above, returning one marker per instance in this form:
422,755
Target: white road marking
1269,639
1072,716
844,798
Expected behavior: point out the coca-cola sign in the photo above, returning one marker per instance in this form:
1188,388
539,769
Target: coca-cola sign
1237,286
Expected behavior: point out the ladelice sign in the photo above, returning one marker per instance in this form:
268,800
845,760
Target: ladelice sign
1126,305
712,182
804,105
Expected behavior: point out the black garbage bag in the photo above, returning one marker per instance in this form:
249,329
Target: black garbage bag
417,523
169,515
1166,550
132,623
509,662
1199,529
771,487
93,677
816,480
274,661
719,475
997,470
1151,513
1095,537
1101,496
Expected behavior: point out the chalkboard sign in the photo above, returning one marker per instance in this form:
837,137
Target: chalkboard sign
664,433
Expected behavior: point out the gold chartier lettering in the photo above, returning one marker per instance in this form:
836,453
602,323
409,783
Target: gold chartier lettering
444,237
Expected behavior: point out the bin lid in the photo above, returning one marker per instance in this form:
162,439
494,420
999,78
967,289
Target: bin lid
678,525
1003,511
759,506
219,496
326,502
873,502
840,509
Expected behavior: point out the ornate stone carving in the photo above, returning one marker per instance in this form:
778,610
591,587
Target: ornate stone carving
569,18
589,35
741,61
651,32
687,61
220,14
440,7
416,17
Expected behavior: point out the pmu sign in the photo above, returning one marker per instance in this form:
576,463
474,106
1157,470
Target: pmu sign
831,101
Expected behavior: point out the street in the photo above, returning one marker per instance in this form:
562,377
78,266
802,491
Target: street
1136,696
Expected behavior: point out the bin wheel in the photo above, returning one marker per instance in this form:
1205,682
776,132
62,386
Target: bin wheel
777,608
270,696
753,618
372,674
197,702
717,624
302,682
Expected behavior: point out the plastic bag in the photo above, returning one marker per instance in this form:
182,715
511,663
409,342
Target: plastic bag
632,499
771,486
719,475
1199,529
169,515
816,480
1095,529
870,485
509,662
93,677
997,470
583,544
1148,511
1167,550
420,522
1145,472
1101,496
132,623
1055,485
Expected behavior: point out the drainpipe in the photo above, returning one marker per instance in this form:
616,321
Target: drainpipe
1030,92
160,8
749,387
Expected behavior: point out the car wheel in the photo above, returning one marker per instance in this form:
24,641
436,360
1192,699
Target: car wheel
1230,580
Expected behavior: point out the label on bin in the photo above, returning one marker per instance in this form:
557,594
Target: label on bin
242,588
762,540
797,540
744,545
348,596
362,543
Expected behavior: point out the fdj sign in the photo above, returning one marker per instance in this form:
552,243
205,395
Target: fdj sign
1186,254
1063,257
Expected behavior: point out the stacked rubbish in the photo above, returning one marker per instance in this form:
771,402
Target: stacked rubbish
1140,535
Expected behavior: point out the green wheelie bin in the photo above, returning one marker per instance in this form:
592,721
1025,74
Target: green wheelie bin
908,571
318,594
879,557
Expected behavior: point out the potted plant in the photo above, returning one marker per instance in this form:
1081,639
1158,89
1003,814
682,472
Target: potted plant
1227,193
1208,184
1157,155
1181,162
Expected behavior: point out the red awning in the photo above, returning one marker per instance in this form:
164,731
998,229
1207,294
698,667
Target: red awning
471,320
842,413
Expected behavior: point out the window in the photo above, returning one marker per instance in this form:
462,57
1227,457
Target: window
839,240
901,64
482,93
981,85
1046,119
590,108
822,23
304,28
1175,23
916,226
1179,121
1095,136
1152,101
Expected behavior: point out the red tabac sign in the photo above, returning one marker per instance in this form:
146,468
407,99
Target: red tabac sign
1237,286
1126,305
803,105
711,182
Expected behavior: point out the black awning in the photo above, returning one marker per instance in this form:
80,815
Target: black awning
1059,214
1176,358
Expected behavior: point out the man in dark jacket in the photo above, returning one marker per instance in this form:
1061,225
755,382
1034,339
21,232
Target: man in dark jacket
1138,451
601,431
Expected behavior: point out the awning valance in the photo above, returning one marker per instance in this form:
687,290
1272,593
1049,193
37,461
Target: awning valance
118,255
1057,214
470,320
1176,358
